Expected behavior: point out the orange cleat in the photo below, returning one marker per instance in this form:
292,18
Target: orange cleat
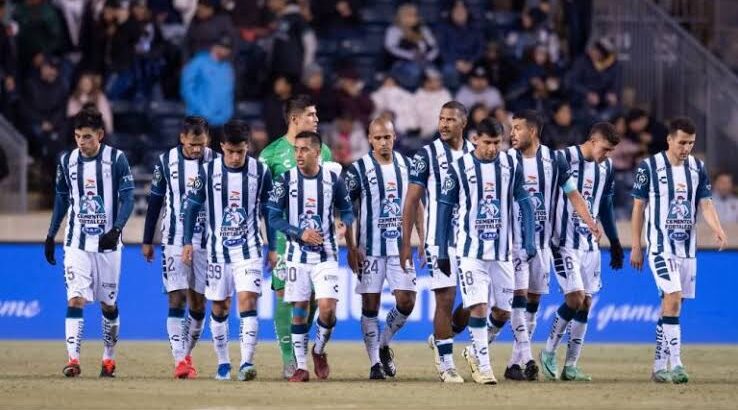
108,368
72,368
300,375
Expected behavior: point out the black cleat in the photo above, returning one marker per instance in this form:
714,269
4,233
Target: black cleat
387,356
514,372
376,373
531,371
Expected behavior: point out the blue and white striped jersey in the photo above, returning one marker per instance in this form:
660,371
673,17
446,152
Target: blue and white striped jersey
431,165
542,175
485,192
595,182
673,193
233,200
307,203
382,190
174,178
93,185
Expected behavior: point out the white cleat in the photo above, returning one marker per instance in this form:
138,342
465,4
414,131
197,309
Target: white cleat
471,359
484,378
436,356
450,376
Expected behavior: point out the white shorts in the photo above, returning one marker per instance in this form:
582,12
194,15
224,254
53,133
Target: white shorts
92,276
674,274
241,276
378,268
178,275
439,280
303,277
488,282
578,270
534,274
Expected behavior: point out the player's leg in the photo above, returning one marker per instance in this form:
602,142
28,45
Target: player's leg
248,290
537,286
174,279
592,280
403,288
78,281
443,284
283,318
475,282
218,291
325,283
106,274
369,286
297,292
195,319
521,343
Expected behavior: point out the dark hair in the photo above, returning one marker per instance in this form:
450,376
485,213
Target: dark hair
607,131
296,105
683,124
455,105
195,125
490,126
720,173
559,104
89,117
236,132
635,114
314,137
532,120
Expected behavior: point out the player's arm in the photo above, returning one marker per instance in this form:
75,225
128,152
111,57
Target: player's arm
607,218
420,229
122,172
352,182
415,191
704,196
192,206
156,200
522,197
266,188
641,186
61,205
567,184
446,204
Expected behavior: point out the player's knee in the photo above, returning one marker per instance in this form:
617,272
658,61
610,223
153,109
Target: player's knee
586,303
76,302
406,302
177,299
108,308
445,299
575,300
500,314
534,298
479,310
672,304
370,301
219,308
520,292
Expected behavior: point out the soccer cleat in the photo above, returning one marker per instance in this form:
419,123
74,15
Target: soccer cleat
182,370
288,369
661,376
223,372
574,374
451,376
468,355
193,372
484,378
300,375
108,368
514,372
679,375
376,372
246,372
531,371
387,357
436,356
72,368
320,364
548,363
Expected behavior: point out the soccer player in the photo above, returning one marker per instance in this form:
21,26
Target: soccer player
233,190
174,176
543,172
94,188
483,185
430,167
379,181
668,187
301,206
575,246
300,115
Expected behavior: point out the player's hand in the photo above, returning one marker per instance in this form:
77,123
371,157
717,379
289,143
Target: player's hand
49,249
147,250
311,237
272,259
530,253
721,239
616,255
405,257
636,258
596,232
421,255
356,260
444,265
109,240
187,255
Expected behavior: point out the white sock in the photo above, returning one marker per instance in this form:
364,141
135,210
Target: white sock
370,330
531,318
175,330
446,353
660,356
110,327
494,327
74,325
673,338
577,330
521,345
248,332
219,330
395,321
322,336
193,330
478,332
564,315
300,345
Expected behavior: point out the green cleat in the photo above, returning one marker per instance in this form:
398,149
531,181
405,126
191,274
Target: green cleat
548,363
661,376
574,374
679,375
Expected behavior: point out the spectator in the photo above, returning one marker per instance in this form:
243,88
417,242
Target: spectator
500,72
207,85
119,52
337,19
477,113
724,198
538,82
149,50
282,90
294,43
561,131
352,98
625,157
8,66
207,27
391,97
259,138
325,98
531,31
595,78
410,45
89,90
645,130
73,12
478,90
187,9
460,43
347,140
250,19
504,117
40,30
428,101
96,35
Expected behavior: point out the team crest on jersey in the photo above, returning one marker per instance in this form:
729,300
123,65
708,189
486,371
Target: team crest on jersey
92,214
351,181
419,166
390,217
232,229
488,220
311,220
448,184
640,179
157,174
679,219
194,182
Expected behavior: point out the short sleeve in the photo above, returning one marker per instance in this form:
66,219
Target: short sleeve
704,187
450,186
642,181
419,171
519,191
563,170
123,173
341,196
158,182
197,193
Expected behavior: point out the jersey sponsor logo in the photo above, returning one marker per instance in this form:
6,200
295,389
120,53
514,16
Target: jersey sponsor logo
232,230
311,220
390,217
92,212
679,219
488,221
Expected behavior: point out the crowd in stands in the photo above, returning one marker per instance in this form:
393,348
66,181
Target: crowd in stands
357,59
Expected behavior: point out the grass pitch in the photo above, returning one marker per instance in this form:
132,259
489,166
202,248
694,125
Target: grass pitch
30,377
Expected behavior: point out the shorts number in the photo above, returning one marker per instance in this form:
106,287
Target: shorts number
292,274
568,263
215,272
170,264
516,264
370,267
672,265
468,278
69,274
